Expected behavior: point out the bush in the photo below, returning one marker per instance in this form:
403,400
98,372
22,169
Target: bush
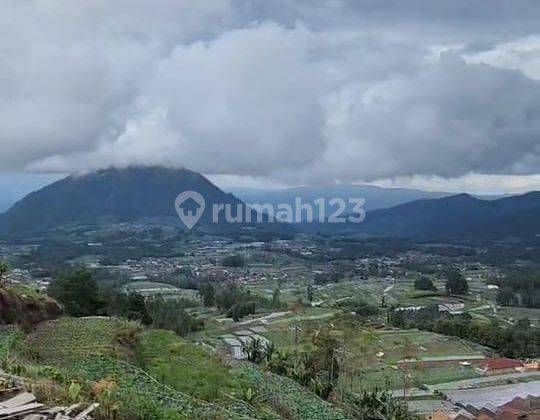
424,283
233,261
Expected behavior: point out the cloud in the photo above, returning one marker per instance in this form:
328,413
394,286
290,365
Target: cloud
291,92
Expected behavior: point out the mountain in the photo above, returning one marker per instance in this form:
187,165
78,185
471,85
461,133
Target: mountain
376,197
110,196
456,217
16,186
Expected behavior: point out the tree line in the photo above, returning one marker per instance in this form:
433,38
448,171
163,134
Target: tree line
81,295
519,340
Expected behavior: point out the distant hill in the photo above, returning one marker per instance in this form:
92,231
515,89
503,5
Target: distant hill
147,194
111,196
376,197
13,187
456,217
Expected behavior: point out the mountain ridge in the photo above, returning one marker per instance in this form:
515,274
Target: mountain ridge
457,216
110,195
376,197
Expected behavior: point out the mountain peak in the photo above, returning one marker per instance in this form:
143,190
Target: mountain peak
113,195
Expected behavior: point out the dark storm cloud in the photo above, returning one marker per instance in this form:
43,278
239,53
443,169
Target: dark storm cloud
293,91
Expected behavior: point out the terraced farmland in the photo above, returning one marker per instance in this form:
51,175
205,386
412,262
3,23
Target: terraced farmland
289,398
65,341
94,351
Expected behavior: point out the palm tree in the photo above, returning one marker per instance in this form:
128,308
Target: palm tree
254,350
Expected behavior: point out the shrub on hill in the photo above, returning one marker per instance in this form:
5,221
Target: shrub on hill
78,292
233,261
456,283
26,307
424,283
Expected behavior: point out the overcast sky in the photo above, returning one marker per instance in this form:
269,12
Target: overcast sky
438,94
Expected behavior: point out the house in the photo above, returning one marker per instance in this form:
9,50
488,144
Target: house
499,366
450,415
520,408
533,365
517,409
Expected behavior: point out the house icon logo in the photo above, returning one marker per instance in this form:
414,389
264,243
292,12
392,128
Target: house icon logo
190,207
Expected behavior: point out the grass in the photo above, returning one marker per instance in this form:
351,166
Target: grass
384,376
21,289
129,392
100,353
185,366
418,344
519,313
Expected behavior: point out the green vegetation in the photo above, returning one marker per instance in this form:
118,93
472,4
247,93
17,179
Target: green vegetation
235,261
100,354
290,399
519,340
520,288
456,283
25,307
358,306
424,283
78,292
171,315
185,366
4,268
67,341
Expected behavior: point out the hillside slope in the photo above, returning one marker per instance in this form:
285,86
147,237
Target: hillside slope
25,307
111,196
455,217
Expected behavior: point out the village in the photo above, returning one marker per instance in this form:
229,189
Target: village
440,377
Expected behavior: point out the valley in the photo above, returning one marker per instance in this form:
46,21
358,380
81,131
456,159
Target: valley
301,290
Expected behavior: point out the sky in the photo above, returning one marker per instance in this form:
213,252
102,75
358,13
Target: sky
440,95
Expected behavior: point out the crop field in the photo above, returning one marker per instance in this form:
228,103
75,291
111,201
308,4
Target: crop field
369,290
66,341
513,313
149,289
434,355
422,344
185,366
433,360
290,292
290,399
291,330
94,351
135,393
9,337
387,377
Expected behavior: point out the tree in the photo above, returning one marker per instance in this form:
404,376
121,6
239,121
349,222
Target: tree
309,292
235,261
456,283
506,297
207,292
376,405
254,351
275,297
136,308
424,283
4,268
171,315
79,293
240,310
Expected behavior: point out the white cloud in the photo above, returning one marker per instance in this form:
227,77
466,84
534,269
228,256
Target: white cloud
285,91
